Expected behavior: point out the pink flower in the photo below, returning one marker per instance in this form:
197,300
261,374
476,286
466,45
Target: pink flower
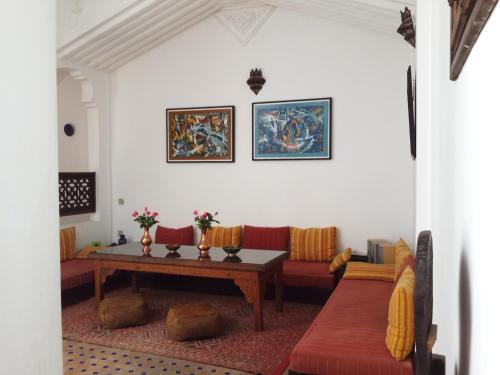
204,216
195,212
148,213
135,213
145,209
155,214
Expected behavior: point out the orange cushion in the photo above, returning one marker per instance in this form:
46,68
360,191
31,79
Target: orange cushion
67,243
224,236
312,244
369,271
340,259
401,320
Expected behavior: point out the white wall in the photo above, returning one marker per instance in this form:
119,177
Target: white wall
366,190
73,151
84,95
30,308
457,188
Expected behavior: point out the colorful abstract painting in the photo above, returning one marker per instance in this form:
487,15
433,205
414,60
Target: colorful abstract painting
200,134
299,129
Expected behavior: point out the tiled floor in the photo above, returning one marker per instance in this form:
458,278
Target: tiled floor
82,358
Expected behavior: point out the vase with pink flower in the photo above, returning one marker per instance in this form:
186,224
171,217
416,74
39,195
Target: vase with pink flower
204,222
146,220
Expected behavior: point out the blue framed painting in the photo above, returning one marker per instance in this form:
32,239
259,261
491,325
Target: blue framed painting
292,129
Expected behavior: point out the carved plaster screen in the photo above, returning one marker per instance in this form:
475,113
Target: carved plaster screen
76,193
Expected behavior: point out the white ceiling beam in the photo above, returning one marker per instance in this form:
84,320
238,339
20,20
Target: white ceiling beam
133,30
183,24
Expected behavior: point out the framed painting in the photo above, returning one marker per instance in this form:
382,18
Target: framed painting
468,18
292,129
204,134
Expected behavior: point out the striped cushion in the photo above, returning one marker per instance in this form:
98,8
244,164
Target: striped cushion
224,236
340,259
402,253
312,244
67,243
369,271
84,253
400,327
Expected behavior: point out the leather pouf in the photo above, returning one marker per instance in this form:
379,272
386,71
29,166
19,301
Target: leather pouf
198,320
122,311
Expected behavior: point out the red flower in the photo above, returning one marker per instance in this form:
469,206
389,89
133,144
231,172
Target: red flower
204,216
145,209
135,213
195,212
155,214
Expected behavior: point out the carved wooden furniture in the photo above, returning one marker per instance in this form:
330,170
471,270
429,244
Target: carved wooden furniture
468,18
77,193
249,273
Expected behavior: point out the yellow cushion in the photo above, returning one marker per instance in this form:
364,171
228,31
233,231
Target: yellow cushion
84,253
369,271
340,259
401,320
224,236
402,253
312,244
67,243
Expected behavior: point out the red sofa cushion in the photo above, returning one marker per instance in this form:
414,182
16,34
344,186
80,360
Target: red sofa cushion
76,272
314,274
180,236
348,335
266,238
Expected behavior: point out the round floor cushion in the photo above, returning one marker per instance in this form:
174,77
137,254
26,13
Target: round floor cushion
199,320
122,311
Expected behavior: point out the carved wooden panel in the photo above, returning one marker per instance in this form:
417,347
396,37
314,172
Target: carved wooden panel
76,193
468,18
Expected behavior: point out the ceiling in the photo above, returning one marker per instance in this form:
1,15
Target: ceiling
144,24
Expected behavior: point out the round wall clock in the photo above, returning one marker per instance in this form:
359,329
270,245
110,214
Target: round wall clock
69,130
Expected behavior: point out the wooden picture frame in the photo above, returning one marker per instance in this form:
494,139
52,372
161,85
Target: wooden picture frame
468,18
201,134
292,129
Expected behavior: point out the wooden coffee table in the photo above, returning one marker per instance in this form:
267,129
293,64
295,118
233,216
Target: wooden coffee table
249,272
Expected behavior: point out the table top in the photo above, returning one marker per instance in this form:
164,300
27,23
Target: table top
246,259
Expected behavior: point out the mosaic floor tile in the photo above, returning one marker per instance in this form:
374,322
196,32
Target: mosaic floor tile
82,358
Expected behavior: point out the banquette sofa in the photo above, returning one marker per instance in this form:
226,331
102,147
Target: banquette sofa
377,321
311,250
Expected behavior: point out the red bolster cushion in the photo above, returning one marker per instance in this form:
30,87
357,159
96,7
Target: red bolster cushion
180,236
266,238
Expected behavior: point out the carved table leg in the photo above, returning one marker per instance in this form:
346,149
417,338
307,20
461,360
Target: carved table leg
278,287
253,290
98,288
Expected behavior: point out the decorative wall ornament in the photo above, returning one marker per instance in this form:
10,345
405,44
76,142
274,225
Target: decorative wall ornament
256,80
76,193
69,130
407,28
204,134
468,18
411,88
244,22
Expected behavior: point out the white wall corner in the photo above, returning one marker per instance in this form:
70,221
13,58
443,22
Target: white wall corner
244,22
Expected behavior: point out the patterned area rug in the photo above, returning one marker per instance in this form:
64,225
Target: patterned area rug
100,360
240,347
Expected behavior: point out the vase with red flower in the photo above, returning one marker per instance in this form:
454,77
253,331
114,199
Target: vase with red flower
146,220
204,222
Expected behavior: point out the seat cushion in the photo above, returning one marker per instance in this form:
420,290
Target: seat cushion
369,271
76,272
312,274
224,236
312,244
179,236
123,311
401,321
67,243
348,335
266,238
193,321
